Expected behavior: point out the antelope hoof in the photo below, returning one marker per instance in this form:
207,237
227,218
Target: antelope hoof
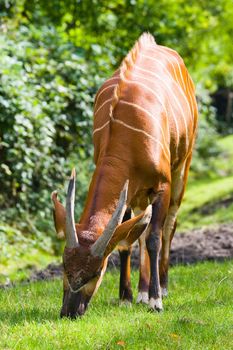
156,304
126,295
164,292
142,298
125,303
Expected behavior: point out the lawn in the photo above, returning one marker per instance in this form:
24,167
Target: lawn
210,191
198,315
20,253
202,194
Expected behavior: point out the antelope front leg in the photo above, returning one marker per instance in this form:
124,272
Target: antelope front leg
125,292
144,271
153,244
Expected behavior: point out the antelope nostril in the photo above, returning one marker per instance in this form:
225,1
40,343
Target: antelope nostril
73,316
81,309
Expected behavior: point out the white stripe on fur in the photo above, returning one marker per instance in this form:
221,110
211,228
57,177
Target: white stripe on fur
175,80
175,98
101,127
143,132
173,114
100,93
103,104
150,114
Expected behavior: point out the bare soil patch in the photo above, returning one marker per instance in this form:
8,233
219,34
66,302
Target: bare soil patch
214,243
212,207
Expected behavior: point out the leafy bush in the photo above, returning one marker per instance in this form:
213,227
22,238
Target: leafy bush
46,97
206,148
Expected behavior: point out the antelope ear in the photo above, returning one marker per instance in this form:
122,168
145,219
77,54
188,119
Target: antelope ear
59,216
129,231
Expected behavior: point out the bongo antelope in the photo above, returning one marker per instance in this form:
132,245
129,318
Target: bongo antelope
145,120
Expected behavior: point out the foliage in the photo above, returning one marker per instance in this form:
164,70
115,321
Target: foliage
208,197
200,31
22,253
206,148
54,55
206,203
197,315
46,97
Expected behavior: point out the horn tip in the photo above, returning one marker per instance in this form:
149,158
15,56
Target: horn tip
148,211
54,196
73,173
126,185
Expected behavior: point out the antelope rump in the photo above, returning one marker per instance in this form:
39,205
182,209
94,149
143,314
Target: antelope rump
145,120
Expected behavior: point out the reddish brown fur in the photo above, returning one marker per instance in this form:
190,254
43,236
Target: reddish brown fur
140,135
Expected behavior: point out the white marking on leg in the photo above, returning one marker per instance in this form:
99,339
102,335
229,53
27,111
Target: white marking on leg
142,298
156,304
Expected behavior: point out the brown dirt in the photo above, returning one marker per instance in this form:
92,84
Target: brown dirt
214,243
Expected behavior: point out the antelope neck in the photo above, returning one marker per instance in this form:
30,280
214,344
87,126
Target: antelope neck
103,196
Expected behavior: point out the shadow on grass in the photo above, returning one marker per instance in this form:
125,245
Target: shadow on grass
105,310
29,315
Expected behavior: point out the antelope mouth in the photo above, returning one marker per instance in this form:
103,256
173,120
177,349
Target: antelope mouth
74,304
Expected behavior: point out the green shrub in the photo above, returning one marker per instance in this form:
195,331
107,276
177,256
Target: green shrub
206,148
46,96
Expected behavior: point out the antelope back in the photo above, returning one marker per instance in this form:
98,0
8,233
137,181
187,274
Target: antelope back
147,107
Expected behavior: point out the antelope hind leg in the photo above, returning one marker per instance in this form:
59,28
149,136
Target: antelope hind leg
179,179
153,243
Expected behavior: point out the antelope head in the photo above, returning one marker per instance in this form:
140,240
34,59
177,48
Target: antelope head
85,264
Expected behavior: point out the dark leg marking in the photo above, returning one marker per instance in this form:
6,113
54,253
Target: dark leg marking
125,291
153,243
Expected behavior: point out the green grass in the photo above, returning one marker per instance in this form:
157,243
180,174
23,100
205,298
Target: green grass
201,194
21,253
198,315
204,191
